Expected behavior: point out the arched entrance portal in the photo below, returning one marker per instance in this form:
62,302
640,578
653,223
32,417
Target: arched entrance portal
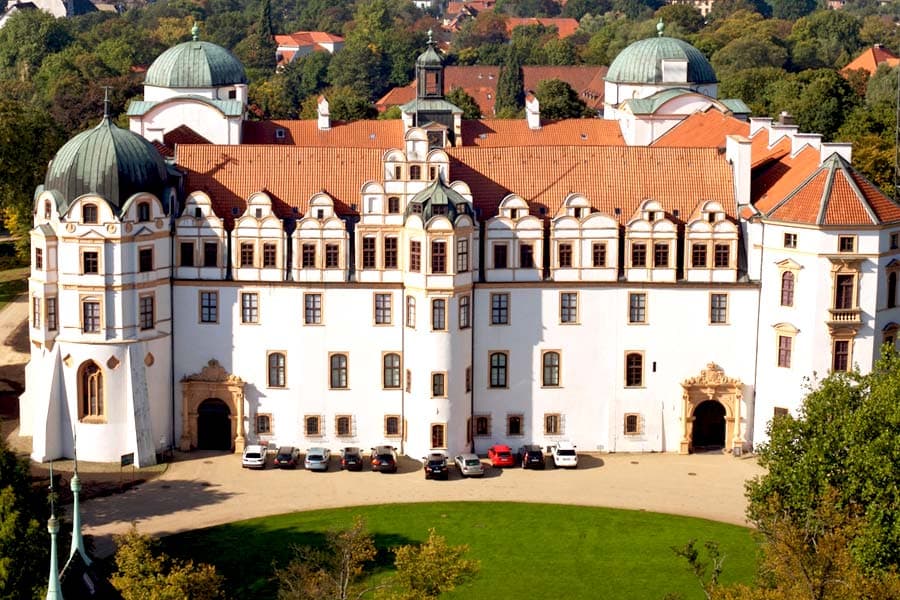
213,425
709,426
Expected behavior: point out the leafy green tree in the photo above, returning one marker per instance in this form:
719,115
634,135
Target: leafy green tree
28,37
746,53
306,76
827,38
577,9
559,101
686,17
722,9
818,99
144,574
426,571
460,98
257,50
528,8
791,9
24,543
344,104
841,451
753,87
510,87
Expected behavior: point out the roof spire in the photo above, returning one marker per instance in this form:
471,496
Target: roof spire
195,31
75,484
430,41
659,27
54,589
105,101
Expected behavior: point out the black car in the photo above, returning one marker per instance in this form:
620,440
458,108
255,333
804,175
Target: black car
287,457
531,457
384,459
436,466
351,458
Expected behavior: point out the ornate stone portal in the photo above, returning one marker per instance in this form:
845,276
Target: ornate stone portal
212,382
713,384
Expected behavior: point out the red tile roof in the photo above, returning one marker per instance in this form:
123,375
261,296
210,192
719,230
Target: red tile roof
564,26
183,135
870,58
356,134
515,132
706,129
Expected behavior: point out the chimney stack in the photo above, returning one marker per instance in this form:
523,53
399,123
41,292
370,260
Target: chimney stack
324,117
532,111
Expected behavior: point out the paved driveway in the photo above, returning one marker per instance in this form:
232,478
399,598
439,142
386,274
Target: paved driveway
202,489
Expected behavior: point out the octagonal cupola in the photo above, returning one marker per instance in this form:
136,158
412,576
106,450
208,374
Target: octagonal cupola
438,199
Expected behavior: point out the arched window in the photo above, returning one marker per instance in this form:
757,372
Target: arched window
551,369
276,369
437,436
498,369
47,209
892,290
391,370
787,289
143,212
338,371
90,381
89,213
634,370
342,426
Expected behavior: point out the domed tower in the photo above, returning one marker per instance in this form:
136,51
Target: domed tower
196,86
439,228
429,110
100,301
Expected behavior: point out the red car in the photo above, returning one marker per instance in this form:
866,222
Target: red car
501,456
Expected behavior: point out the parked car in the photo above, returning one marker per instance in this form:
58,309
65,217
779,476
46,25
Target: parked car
531,457
254,457
351,458
436,466
564,455
469,465
287,457
501,455
384,459
317,459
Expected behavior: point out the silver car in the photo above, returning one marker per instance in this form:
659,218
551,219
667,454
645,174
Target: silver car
469,465
317,459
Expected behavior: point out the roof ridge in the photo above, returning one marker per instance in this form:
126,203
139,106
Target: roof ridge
848,171
778,205
825,200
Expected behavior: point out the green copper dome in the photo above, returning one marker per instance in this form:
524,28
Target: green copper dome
641,62
195,64
110,162
438,199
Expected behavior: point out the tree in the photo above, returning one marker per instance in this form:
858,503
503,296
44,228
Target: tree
24,543
510,87
28,37
460,98
426,571
344,104
142,574
559,101
791,9
332,572
257,50
748,52
840,451
686,17
828,38
819,100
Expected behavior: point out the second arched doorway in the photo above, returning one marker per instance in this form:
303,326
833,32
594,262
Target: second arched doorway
214,425
709,426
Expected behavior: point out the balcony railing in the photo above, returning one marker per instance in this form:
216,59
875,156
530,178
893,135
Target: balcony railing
847,316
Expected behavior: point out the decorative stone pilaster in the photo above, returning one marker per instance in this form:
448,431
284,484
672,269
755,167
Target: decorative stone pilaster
212,382
713,384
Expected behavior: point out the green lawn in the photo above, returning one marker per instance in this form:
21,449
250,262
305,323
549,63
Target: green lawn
528,551
12,283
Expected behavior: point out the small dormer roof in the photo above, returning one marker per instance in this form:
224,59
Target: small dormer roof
438,199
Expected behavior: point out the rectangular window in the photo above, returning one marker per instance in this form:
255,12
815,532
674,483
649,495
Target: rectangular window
598,254
246,255
462,255
313,425
438,388
718,308
526,256
632,424
637,307
415,256
501,252
338,365
634,369
661,256
841,356
468,379
90,316
482,425
722,257
499,309
408,381
565,255
186,254
411,312
439,314
210,254
90,263
382,309
36,312
39,259
390,367
308,256
277,370
784,350
368,252
552,424
464,320
790,240
568,307
343,425
147,312
51,314
145,260
498,365
263,424
515,425
390,252
270,256
895,241
846,243
312,309
249,307
438,256
638,254
392,426
332,256
393,204
843,292
209,307
550,377
698,256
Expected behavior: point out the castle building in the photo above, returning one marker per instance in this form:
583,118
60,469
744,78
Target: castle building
664,279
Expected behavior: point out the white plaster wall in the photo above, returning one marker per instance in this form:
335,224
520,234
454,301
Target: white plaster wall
204,119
